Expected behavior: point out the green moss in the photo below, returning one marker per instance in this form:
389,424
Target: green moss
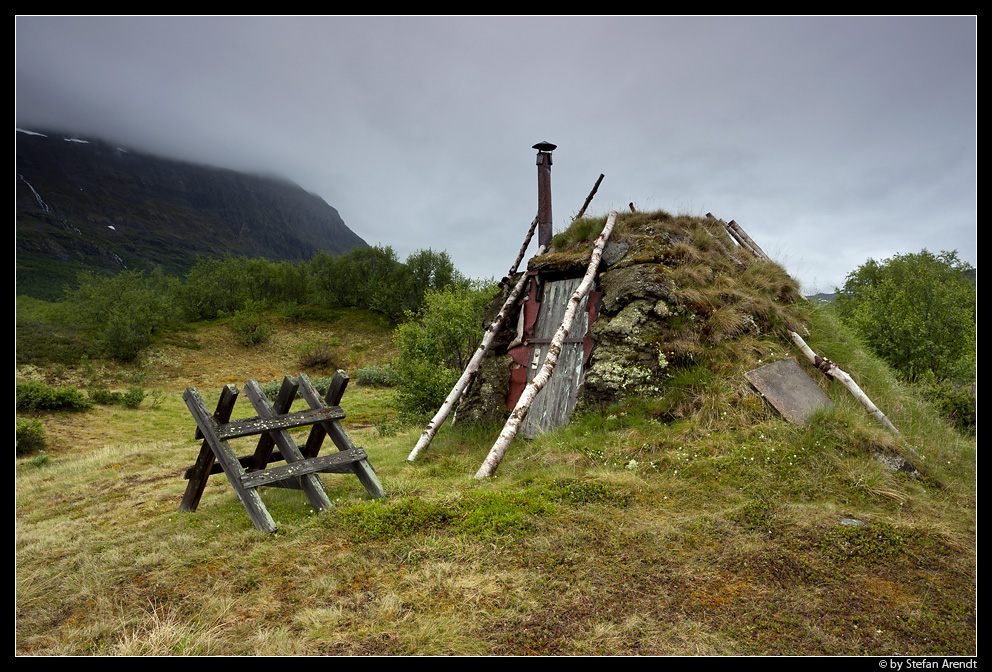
379,520
879,542
575,491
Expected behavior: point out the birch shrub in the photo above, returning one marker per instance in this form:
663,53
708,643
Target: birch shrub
436,344
918,312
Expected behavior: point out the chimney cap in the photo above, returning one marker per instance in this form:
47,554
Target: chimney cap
545,146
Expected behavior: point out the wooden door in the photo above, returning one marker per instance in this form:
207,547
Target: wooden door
553,405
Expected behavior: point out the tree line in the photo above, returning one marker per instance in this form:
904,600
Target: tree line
117,315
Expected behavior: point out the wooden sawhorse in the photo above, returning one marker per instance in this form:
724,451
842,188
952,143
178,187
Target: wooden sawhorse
272,423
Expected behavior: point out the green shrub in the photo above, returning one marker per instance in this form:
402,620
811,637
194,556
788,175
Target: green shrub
124,310
39,460
422,387
917,312
103,396
29,436
436,344
375,376
271,389
294,311
249,325
133,397
957,402
36,396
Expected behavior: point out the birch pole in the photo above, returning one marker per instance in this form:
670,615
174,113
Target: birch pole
473,366
471,369
831,370
523,248
499,449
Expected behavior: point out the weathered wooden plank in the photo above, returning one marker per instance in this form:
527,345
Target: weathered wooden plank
247,463
249,497
554,403
263,450
748,241
312,486
260,425
335,463
788,389
363,469
205,464
335,391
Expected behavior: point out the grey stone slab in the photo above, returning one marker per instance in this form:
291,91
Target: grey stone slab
789,390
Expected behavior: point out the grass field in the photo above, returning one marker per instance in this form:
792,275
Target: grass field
620,534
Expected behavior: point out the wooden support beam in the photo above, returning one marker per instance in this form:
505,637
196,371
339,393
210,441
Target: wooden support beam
282,405
258,425
312,486
745,240
336,463
205,463
592,193
232,468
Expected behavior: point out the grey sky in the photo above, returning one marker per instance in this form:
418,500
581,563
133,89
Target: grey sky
829,139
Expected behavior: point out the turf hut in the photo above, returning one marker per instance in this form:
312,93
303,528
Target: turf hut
679,304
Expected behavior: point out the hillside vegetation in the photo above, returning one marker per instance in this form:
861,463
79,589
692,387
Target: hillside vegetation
693,521
85,204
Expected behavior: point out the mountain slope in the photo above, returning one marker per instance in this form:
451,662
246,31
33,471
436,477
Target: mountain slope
87,204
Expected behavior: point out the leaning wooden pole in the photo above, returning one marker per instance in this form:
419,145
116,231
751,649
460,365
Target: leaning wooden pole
592,193
469,373
748,241
499,449
831,370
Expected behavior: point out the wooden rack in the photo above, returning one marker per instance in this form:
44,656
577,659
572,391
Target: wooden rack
302,463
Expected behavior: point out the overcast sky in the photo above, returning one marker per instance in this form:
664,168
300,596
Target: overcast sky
830,140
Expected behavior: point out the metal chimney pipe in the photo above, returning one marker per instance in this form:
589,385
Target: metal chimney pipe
544,150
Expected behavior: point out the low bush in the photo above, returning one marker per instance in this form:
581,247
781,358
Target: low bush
249,325
422,387
133,397
436,344
375,376
29,436
294,311
105,397
957,402
316,352
36,396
